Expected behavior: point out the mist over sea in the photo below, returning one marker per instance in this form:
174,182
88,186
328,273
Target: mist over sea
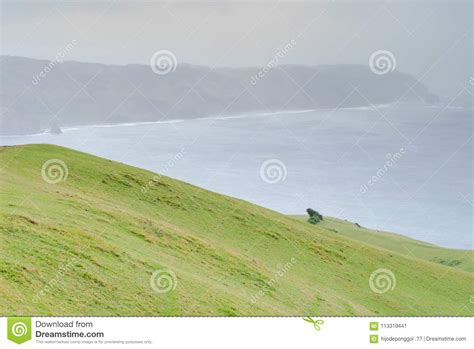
404,169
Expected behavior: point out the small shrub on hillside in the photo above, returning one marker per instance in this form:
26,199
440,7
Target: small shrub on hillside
312,213
314,216
314,220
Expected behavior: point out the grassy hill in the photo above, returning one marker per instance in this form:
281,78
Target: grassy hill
457,258
89,245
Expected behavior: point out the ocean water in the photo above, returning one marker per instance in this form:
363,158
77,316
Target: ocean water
400,168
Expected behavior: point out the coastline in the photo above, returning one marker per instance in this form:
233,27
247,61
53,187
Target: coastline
245,115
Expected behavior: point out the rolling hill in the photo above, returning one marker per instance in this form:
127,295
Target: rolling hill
457,258
94,238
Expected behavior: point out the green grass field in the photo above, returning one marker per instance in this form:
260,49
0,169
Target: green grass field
461,259
89,245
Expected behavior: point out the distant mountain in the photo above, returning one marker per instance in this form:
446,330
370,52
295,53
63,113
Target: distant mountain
37,95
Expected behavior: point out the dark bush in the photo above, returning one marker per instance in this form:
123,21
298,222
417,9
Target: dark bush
314,216
313,213
314,220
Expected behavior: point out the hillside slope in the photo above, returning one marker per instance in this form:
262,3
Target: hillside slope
456,258
89,245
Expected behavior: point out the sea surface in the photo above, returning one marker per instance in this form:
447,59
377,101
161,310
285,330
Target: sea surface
405,169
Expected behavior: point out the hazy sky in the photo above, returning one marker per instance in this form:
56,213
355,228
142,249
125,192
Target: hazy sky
431,40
